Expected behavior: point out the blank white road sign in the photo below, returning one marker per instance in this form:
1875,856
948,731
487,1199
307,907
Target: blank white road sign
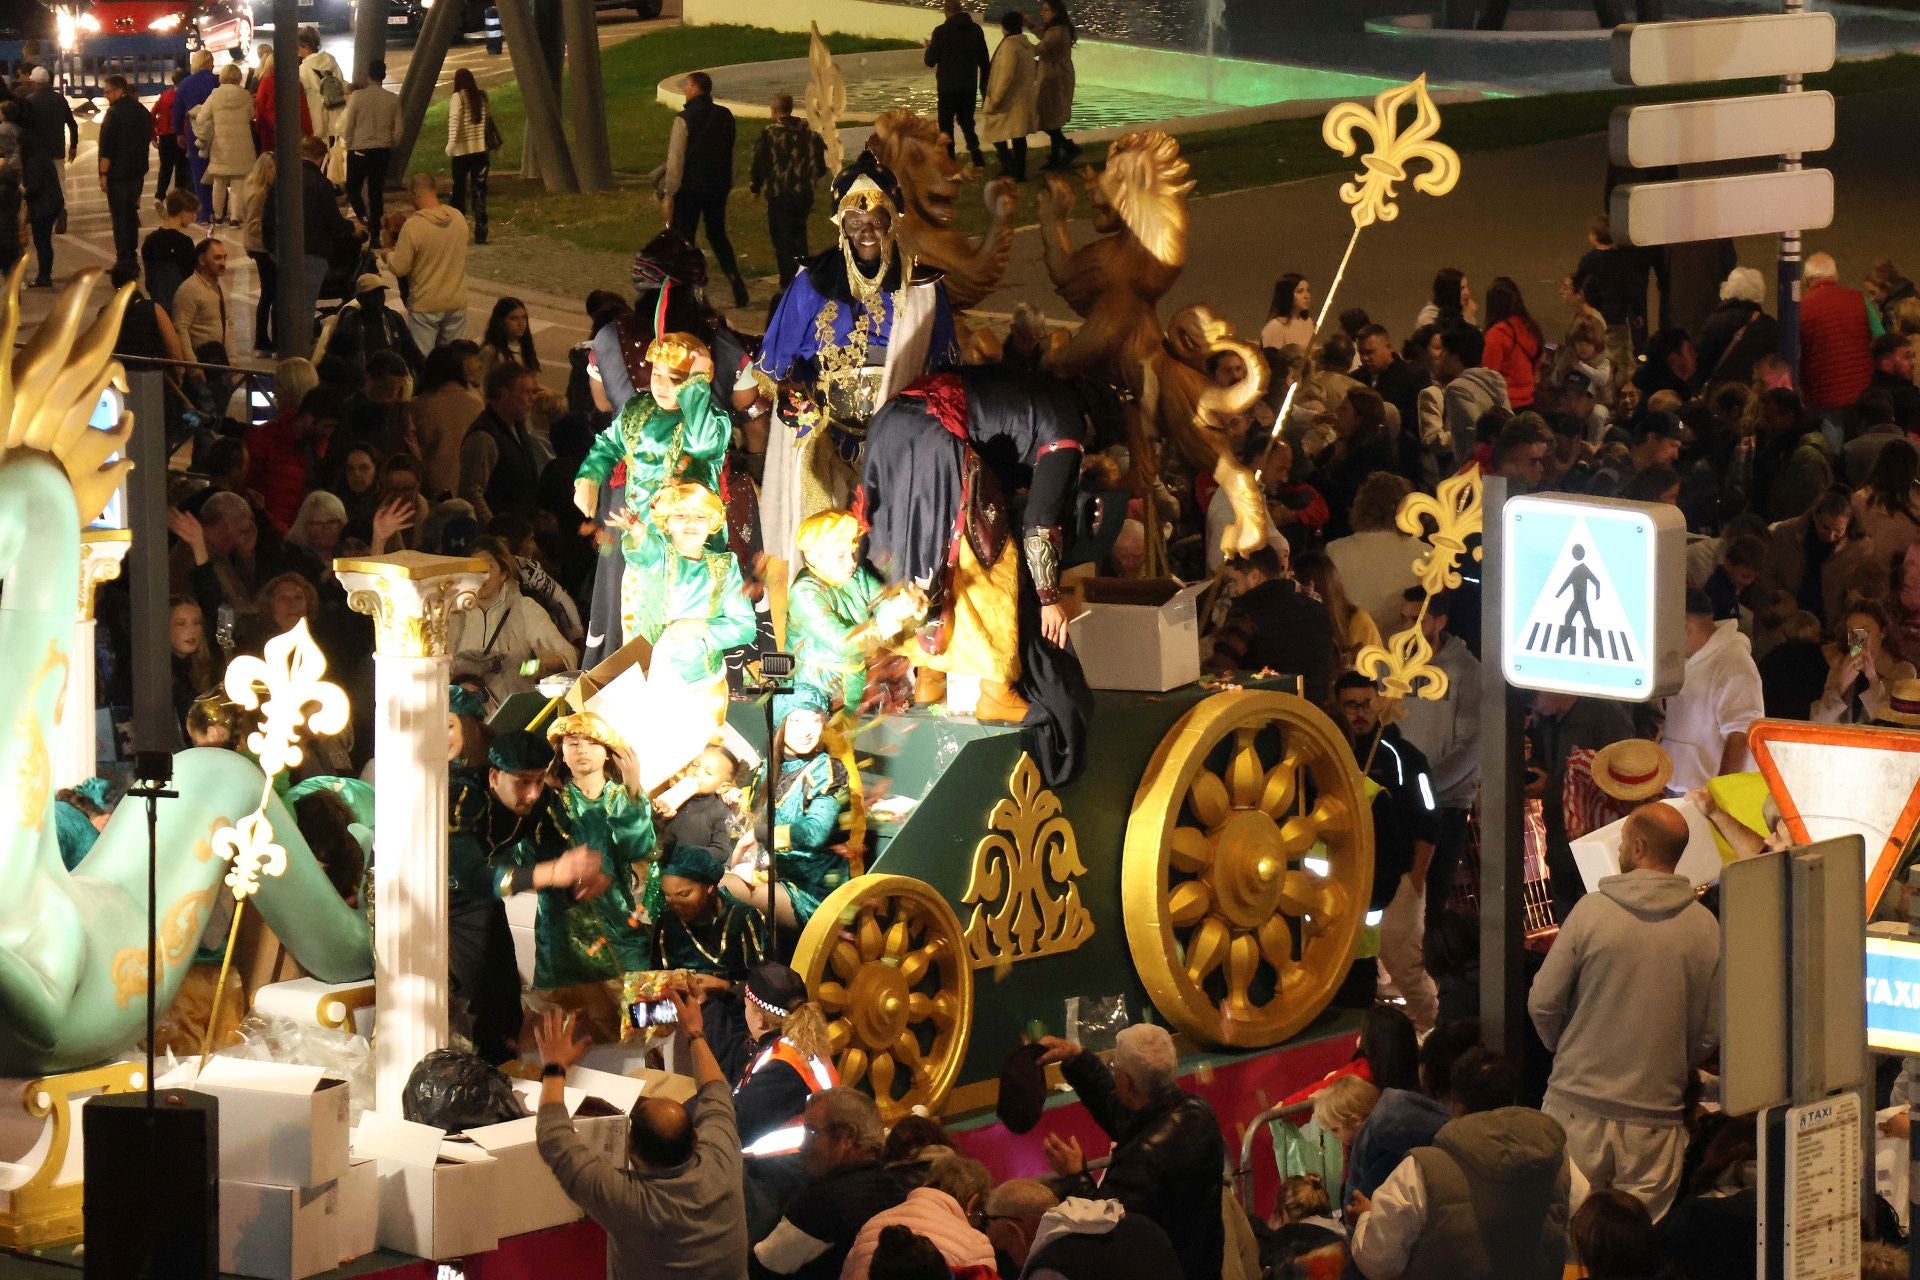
1748,204
1761,44
1767,124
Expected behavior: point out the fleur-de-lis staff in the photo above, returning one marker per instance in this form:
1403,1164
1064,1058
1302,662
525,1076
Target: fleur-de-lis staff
288,687
1373,196
826,98
1404,665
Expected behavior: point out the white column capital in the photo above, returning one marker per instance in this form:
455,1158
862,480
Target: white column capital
101,551
411,597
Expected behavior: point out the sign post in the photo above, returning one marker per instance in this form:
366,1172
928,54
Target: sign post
1788,198
1582,596
1793,1046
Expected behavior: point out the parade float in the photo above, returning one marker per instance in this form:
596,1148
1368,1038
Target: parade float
1206,863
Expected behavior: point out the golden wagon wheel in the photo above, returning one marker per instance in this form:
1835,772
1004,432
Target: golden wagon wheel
1247,869
886,959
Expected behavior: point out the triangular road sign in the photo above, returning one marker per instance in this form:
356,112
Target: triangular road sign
1835,780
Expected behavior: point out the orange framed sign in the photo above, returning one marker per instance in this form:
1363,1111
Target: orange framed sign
1835,779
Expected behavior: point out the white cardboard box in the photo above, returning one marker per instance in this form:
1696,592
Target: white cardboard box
359,1209
438,1199
1140,635
536,1201
280,1125
278,1233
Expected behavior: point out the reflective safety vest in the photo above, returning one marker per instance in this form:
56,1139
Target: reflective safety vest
815,1073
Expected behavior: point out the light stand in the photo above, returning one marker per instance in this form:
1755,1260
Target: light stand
776,677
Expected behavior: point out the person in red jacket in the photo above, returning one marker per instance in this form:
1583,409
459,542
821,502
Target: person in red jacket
266,108
285,454
1837,329
1514,345
173,160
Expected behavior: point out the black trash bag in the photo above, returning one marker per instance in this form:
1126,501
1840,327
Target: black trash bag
452,1089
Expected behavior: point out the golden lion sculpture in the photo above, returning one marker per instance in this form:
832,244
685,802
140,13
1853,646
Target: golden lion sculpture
913,147
1115,282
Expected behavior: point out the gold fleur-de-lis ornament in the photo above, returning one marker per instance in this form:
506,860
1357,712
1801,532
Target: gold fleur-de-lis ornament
284,684
1373,195
1455,510
249,852
1404,666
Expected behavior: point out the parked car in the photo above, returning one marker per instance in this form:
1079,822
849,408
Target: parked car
223,25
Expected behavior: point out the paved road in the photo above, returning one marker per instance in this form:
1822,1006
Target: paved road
1521,213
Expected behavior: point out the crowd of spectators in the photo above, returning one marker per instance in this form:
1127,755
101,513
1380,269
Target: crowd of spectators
1796,480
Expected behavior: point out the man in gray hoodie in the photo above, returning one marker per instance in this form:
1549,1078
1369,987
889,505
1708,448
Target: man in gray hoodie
1470,389
1629,1002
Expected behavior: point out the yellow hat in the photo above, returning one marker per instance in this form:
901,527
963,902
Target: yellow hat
687,499
588,724
826,529
675,353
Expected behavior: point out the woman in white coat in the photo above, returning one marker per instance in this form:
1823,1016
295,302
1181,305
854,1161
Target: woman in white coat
223,125
1011,110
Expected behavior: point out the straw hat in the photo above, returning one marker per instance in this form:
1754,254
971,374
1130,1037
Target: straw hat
1632,770
1903,704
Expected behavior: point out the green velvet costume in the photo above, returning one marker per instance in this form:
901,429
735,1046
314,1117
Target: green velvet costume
726,944
808,802
709,591
605,931
821,620
650,447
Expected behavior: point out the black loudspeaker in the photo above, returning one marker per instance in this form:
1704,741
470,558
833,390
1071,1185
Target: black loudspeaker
155,731
152,1203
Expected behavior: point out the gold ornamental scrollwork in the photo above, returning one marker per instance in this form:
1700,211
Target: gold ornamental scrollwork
101,551
411,597
180,930
1026,901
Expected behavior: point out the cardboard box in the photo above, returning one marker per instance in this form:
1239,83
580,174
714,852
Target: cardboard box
278,1233
1138,634
359,1209
537,1201
280,1125
634,653
438,1199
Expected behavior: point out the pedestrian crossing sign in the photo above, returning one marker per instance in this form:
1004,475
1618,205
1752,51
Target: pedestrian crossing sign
1592,596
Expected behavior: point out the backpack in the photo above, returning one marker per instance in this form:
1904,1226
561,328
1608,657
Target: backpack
333,93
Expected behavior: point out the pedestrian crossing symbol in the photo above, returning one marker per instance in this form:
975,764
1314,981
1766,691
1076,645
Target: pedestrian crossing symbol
1582,605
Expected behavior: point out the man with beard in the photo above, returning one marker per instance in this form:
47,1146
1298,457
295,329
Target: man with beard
506,834
855,327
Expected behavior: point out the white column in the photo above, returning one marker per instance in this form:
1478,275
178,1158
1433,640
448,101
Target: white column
412,598
75,756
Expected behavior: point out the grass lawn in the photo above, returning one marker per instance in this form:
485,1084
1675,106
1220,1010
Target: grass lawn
1227,160
637,128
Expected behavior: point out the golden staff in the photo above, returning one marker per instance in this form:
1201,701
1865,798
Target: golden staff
282,685
1404,665
1373,196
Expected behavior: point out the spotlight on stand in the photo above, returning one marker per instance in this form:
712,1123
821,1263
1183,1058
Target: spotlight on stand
775,677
